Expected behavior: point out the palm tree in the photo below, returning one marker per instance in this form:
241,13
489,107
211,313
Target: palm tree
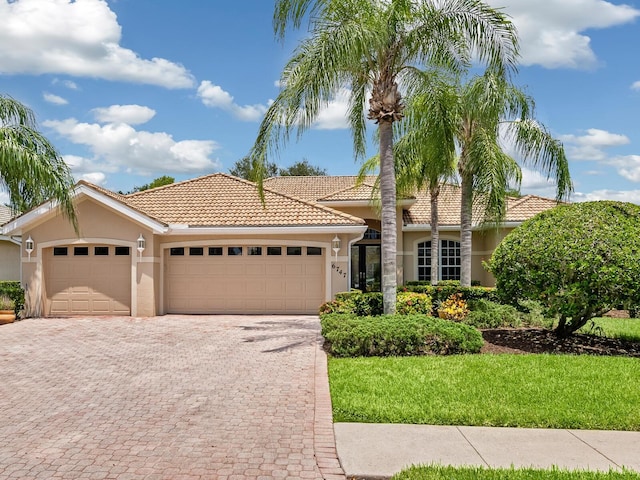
481,111
31,170
374,47
424,152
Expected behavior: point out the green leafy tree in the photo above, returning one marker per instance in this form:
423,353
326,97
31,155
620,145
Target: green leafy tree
245,168
371,48
158,182
302,169
31,170
579,260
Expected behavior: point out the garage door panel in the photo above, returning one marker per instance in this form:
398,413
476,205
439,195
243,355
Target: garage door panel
88,284
244,284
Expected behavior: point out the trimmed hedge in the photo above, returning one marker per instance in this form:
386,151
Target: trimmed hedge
14,291
370,304
397,335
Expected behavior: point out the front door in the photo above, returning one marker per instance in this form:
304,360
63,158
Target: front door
365,267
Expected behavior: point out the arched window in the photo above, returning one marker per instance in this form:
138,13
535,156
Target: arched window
449,260
372,234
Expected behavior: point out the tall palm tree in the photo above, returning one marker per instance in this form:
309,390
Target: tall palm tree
424,149
484,110
373,47
31,170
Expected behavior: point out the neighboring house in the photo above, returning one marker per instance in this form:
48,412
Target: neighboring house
9,250
209,245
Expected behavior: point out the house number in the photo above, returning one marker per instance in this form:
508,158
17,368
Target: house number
339,270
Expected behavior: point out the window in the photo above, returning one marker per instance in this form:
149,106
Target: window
372,234
215,251
314,251
449,264
59,251
176,251
294,250
234,251
100,251
122,251
196,251
81,251
254,250
274,250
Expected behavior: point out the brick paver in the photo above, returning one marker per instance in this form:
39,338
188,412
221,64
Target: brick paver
175,397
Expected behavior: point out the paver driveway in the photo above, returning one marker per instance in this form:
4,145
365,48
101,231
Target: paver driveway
175,397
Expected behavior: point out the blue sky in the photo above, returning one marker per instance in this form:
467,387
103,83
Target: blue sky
129,90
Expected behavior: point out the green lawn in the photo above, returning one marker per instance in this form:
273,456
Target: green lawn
472,473
625,328
554,391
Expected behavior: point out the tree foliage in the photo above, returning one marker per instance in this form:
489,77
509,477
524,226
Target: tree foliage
302,168
31,170
579,260
158,182
246,168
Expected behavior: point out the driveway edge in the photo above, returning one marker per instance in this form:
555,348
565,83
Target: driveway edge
324,440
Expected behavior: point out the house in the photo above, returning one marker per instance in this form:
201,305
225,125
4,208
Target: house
209,245
9,250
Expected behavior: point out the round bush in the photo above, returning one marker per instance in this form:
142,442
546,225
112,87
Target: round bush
579,260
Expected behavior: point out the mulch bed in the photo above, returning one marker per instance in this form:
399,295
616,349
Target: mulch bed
535,340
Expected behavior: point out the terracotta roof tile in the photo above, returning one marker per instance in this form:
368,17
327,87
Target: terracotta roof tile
5,214
364,192
221,200
523,208
314,187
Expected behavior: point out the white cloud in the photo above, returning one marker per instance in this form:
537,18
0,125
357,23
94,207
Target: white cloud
66,83
78,38
632,196
335,115
636,85
215,97
131,114
591,146
628,166
551,32
55,99
118,145
537,184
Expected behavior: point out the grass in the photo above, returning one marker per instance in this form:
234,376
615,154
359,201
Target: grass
545,391
624,328
435,472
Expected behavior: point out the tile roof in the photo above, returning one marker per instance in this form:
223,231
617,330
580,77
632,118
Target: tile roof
314,187
6,214
343,188
221,200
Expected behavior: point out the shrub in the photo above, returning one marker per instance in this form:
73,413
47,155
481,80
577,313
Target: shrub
440,293
370,304
578,260
399,335
14,291
453,308
488,314
410,303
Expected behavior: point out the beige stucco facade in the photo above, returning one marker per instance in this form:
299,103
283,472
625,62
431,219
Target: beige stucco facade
9,259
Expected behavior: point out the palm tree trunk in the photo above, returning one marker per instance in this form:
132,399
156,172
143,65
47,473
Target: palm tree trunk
388,201
434,192
466,212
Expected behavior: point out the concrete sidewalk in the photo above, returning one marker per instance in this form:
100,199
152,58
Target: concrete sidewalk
381,450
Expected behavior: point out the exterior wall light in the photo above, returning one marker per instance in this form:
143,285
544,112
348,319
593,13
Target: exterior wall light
142,243
28,246
335,245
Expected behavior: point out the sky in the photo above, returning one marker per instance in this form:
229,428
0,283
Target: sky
129,90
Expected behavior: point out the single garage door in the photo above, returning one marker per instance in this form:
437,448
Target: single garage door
88,280
244,279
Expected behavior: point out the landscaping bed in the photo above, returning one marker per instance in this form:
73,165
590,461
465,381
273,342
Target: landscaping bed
536,340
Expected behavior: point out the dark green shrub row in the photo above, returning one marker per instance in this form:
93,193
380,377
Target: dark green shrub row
440,293
348,335
14,291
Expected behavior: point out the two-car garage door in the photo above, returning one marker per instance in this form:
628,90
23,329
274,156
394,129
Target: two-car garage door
244,279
